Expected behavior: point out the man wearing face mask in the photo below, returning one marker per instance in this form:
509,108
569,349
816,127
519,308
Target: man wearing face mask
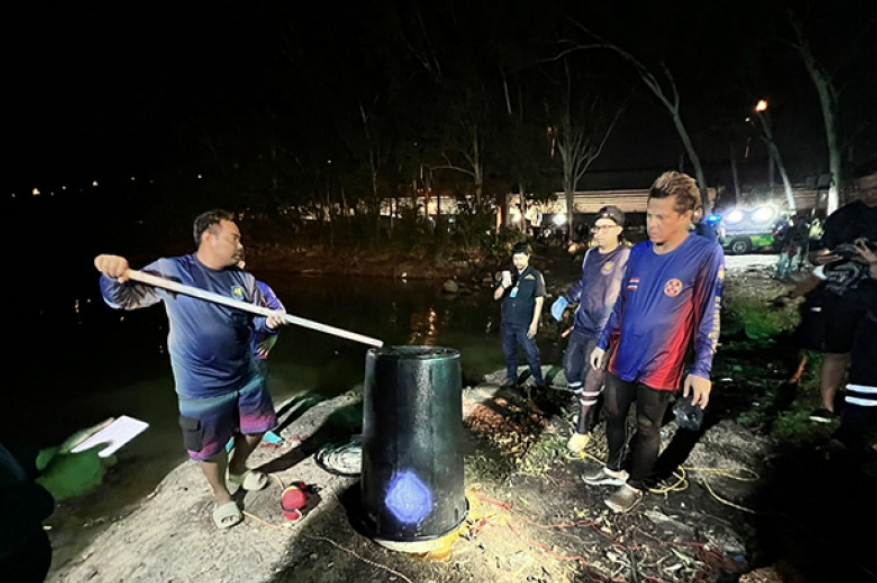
221,393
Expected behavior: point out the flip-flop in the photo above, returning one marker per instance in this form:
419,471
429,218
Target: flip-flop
223,514
249,480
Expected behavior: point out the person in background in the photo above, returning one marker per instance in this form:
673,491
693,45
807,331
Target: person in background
670,299
522,292
262,342
220,390
855,220
596,292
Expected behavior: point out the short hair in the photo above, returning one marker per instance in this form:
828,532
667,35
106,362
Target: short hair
680,185
521,248
206,221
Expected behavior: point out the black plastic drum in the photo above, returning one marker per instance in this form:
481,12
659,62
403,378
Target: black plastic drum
412,464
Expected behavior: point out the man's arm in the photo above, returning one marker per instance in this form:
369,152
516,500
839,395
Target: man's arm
613,290
575,294
707,321
537,307
613,324
117,291
499,291
708,298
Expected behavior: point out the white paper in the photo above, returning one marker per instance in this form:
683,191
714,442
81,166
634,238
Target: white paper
115,435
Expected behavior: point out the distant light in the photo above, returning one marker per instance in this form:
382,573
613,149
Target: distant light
13,195
63,188
559,219
200,177
328,161
761,105
735,216
748,119
712,219
94,183
763,214
132,179
35,192
408,498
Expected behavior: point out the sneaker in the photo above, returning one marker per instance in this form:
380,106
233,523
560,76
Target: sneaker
602,476
823,416
578,443
624,499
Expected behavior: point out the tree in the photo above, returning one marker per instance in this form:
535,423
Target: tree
663,86
581,135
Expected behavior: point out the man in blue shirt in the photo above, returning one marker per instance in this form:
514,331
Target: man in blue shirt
596,292
670,299
522,292
221,393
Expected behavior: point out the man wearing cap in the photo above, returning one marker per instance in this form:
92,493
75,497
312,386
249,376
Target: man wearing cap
596,292
522,291
670,299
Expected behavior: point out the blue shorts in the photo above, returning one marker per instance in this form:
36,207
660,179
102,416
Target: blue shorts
209,423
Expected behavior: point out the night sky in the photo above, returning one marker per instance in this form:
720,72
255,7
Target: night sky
117,89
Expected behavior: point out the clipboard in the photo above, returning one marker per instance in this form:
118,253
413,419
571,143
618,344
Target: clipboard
114,435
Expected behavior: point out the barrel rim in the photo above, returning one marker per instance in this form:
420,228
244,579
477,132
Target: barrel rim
414,352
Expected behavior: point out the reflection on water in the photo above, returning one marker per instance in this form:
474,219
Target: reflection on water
80,362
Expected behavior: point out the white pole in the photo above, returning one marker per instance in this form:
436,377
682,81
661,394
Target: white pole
195,292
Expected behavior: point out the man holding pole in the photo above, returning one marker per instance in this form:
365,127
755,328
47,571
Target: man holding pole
221,393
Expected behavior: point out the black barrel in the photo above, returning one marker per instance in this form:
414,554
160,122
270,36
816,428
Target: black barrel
412,464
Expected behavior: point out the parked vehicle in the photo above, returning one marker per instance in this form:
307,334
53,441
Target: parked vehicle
743,230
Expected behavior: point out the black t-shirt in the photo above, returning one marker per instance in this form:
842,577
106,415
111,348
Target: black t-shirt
849,223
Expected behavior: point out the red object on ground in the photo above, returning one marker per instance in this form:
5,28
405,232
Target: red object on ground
292,501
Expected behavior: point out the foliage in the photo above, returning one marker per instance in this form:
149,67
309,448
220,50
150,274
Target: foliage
756,319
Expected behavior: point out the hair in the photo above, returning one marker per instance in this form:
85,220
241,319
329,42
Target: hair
206,221
680,185
521,248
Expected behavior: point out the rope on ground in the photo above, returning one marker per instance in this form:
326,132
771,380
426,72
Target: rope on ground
740,474
361,558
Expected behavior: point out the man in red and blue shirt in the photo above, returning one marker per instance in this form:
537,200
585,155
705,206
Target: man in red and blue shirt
670,300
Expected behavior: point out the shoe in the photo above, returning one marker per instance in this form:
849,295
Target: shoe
602,476
823,416
227,515
250,480
578,443
624,499
508,384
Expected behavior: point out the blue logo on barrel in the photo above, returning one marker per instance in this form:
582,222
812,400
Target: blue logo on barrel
408,499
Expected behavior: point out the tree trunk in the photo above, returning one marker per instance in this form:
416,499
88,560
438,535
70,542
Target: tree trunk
734,174
695,161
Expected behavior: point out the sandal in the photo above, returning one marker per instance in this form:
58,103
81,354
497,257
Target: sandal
227,515
250,480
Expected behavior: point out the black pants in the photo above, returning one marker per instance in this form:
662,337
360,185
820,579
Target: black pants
650,408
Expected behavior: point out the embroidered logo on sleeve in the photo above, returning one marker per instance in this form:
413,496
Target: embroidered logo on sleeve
672,288
633,284
237,293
